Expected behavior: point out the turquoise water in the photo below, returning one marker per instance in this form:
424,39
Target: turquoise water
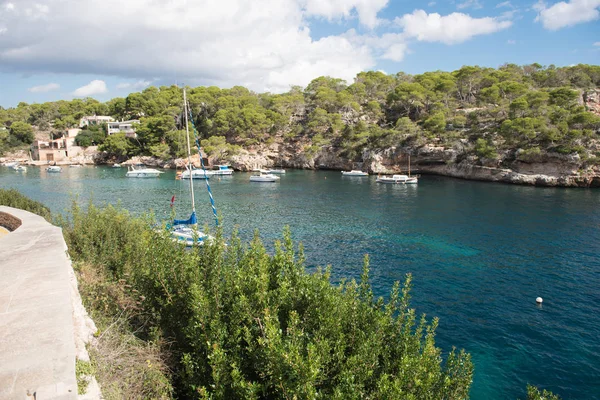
480,253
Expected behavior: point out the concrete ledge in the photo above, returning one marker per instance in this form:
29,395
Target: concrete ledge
37,344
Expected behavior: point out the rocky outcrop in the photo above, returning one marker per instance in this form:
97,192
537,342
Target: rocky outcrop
591,100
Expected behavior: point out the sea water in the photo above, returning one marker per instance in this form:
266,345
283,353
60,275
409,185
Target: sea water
480,253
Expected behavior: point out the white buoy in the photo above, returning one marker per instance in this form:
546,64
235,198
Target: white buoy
539,300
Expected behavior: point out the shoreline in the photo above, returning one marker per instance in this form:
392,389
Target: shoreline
463,171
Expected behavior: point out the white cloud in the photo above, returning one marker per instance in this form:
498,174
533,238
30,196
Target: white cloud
431,3
134,85
505,4
367,10
92,88
597,44
511,41
395,52
9,6
44,88
261,44
450,29
564,14
469,4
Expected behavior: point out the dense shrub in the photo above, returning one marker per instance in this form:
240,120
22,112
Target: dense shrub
245,324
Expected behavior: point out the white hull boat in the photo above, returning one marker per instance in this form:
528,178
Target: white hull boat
116,165
398,179
17,167
54,168
196,174
277,171
190,236
220,170
354,172
264,178
142,173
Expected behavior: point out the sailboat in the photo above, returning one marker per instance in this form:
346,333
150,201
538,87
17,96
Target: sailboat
186,230
401,179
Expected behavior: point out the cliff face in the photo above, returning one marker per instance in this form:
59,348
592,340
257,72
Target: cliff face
549,169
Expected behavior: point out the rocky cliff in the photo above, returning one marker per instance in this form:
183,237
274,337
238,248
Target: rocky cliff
548,169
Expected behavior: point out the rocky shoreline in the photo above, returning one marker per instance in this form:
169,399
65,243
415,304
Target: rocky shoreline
548,170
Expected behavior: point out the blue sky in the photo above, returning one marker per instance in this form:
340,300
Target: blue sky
61,49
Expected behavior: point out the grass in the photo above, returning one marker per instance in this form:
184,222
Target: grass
125,366
84,370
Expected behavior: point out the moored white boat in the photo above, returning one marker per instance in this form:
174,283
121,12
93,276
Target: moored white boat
277,171
142,172
10,163
398,179
354,172
220,170
54,168
264,177
116,165
196,174
17,167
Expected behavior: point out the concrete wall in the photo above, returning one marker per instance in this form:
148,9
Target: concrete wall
37,334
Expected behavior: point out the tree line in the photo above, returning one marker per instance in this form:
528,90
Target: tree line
510,112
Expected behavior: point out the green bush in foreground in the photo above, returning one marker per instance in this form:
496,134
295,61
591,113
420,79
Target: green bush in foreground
12,198
241,323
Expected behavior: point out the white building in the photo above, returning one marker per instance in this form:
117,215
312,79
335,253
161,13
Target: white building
95,120
123,126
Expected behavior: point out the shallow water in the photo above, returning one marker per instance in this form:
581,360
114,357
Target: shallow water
480,253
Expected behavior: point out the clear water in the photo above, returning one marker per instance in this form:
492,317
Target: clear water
480,253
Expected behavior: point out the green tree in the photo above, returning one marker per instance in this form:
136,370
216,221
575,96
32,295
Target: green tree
217,146
116,145
563,97
519,107
436,123
485,149
161,151
22,132
154,130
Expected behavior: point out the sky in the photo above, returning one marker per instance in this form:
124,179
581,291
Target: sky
64,49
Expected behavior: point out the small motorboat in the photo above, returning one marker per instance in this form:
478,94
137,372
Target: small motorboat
196,174
264,177
116,165
54,168
354,172
142,172
220,170
17,167
398,179
75,166
277,171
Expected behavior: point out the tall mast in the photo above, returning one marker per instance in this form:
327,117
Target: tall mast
189,150
408,164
